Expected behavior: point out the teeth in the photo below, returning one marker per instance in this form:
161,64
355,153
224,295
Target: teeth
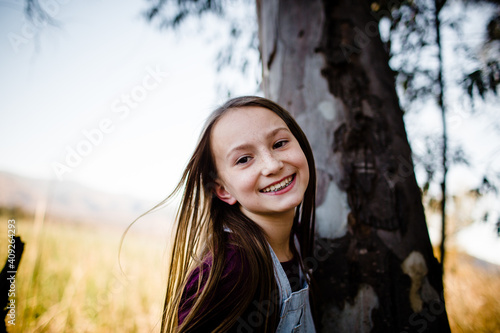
279,186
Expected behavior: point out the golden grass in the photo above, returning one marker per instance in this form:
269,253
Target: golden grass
472,293
69,281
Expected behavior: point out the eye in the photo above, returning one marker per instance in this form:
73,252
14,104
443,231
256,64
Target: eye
243,160
280,144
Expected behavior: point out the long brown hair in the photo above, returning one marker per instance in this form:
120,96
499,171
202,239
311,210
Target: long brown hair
202,219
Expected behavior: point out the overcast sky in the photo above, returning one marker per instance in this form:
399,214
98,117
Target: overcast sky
104,98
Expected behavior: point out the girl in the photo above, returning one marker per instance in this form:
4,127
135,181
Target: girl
244,224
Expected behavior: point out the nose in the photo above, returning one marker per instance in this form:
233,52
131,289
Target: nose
271,164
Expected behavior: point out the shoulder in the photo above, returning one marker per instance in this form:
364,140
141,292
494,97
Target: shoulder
230,284
234,262
234,265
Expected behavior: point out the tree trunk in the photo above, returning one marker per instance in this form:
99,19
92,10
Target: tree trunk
374,265
438,5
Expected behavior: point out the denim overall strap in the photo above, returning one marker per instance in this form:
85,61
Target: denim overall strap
281,278
295,310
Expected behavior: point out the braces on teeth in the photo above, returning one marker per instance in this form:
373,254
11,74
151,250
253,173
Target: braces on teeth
279,186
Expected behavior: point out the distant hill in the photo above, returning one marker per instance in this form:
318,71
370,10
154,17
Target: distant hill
71,202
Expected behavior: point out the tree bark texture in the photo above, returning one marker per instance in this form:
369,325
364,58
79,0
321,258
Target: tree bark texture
374,266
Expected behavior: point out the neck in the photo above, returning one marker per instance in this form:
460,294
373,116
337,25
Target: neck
277,229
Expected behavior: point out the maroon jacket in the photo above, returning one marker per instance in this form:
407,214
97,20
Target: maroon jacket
219,304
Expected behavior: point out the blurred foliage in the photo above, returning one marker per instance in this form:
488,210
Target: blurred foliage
485,187
412,35
429,159
410,39
171,14
487,78
36,11
240,19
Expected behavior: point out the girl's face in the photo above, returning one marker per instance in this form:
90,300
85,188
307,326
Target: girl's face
260,163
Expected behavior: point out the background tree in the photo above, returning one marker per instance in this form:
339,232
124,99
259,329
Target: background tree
327,64
416,32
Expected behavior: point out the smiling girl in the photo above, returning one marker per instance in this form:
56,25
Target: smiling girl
244,225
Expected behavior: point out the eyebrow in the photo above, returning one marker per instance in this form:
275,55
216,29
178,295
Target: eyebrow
247,146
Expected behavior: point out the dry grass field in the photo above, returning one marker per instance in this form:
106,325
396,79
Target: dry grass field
472,290
69,280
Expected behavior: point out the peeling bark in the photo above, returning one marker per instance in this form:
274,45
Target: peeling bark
324,62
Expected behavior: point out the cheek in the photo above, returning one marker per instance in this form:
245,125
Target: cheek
301,162
249,181
243,182
306,170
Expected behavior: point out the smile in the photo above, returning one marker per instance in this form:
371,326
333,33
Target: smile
279,186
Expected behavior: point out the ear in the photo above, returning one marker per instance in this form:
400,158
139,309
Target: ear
223,194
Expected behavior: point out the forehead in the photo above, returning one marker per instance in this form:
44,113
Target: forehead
243,124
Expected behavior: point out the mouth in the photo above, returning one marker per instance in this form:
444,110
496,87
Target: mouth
279,186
